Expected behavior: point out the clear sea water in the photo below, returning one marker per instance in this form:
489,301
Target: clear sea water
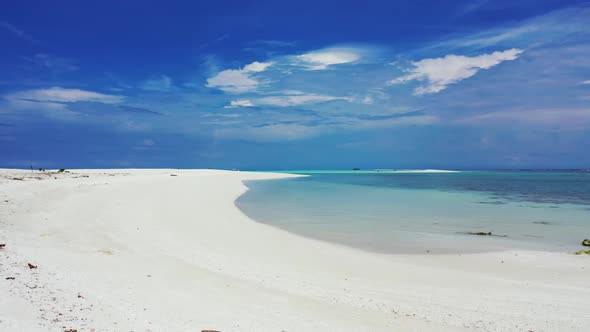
418,212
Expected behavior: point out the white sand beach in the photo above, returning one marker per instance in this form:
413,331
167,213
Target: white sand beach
142,250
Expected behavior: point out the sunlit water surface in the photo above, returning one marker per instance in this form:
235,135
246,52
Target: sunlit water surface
418,212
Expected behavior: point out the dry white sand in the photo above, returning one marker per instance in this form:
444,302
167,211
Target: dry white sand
140,250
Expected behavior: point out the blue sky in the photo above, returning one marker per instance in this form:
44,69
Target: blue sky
285,85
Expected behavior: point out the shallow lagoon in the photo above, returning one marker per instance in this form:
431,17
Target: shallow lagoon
429,211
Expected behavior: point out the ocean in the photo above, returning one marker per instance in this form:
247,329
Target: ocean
428,211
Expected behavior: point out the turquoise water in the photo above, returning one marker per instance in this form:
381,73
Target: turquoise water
417,212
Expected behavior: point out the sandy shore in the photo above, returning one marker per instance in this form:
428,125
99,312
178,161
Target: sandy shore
141,250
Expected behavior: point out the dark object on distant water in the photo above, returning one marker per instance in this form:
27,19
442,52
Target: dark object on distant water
586,243
356,169
583,252
485,234
480,233
210,331
31,266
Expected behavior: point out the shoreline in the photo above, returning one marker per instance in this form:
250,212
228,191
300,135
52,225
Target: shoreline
149,252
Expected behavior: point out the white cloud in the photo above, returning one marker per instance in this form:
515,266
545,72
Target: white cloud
61,95
256,67
292,92
323,59
367,100
163,83
441,72
295,100
54,101
27,104
240,103
238,80
286,100
585,82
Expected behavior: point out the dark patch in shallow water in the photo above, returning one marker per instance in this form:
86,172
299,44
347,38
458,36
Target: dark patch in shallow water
543,222
549,187
492,202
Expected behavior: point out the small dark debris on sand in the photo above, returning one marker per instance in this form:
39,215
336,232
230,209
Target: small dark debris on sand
31,266
542,222
71,330
18,179
210,331
9,278
2,245
173,175
586,243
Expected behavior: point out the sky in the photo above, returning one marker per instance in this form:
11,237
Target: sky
295,84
